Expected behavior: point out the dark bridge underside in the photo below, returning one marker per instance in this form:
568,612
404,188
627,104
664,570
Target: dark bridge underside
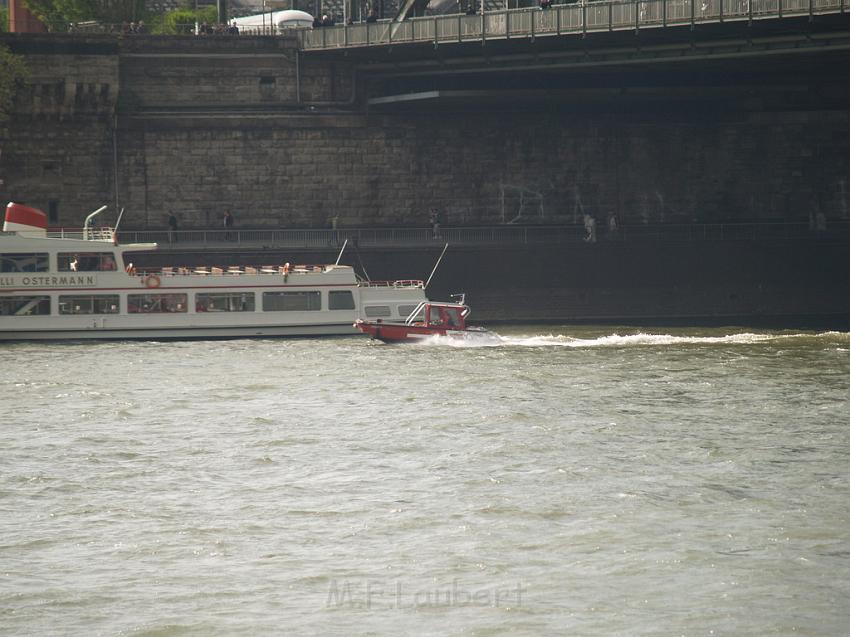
709,62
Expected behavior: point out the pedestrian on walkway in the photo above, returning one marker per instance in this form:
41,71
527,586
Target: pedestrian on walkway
228,225
589,228
434,218
172,226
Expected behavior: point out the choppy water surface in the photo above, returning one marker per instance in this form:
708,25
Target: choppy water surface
571,481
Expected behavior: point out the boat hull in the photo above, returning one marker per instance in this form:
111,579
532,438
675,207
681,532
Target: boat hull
186,333
402,333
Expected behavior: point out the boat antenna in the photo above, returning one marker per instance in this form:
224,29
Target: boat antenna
360,260
115,229
436,265
345,243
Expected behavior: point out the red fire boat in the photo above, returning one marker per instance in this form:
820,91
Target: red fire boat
429,319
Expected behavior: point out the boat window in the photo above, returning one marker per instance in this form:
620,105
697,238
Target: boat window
155,303
86,262
25,262
375,311
24,305
89,304
405,310
340,300
436,316
225,302
292,301
453,316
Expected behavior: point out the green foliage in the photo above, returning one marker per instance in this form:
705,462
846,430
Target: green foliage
57,14
13,75
182,21
4,19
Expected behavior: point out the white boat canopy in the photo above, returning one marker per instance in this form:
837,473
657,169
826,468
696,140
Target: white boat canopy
288,19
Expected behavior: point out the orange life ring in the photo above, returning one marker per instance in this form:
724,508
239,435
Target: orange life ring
152,281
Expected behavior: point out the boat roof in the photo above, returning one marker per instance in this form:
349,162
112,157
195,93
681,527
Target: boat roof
67,241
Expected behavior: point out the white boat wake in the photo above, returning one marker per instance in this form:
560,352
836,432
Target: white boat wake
640,340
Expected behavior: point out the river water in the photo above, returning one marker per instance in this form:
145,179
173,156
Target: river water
565,481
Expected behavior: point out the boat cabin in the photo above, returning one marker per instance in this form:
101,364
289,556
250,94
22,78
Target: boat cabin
443,315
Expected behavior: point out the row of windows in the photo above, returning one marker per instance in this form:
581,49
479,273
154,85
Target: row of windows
65,262
301,301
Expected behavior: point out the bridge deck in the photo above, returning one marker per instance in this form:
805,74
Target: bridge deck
559,20
505,235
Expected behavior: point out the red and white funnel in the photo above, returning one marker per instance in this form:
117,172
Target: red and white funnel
21,218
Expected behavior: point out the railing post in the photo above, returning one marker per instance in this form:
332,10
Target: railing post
664,12
533,13
780,7
459,27
610,16
508,25
811,11
693,14
584,18
721,10
483,36
637,16
558,20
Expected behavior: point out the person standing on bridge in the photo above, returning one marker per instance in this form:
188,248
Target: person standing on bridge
228,225
589,228
613,225
434,218
172,226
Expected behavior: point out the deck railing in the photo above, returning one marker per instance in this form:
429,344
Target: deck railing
837,230
578,18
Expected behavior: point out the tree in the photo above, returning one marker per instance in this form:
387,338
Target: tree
57,14
182,21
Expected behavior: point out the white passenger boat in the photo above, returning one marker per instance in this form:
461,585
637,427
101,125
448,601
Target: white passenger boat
83,284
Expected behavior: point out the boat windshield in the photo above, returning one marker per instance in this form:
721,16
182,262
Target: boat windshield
448,316
453,318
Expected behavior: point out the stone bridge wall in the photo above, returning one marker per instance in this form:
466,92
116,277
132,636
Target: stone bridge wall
200,125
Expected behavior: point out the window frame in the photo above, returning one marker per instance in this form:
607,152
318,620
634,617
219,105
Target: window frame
111,301
42,298
311,295
181,305
42,261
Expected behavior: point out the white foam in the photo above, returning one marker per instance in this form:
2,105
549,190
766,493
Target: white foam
637,340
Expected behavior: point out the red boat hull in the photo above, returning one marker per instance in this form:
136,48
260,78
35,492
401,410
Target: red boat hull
397,332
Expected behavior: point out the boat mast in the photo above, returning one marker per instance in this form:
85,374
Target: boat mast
341,251
437,265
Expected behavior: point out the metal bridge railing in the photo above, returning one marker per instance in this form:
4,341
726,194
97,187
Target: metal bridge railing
481,236
582,17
